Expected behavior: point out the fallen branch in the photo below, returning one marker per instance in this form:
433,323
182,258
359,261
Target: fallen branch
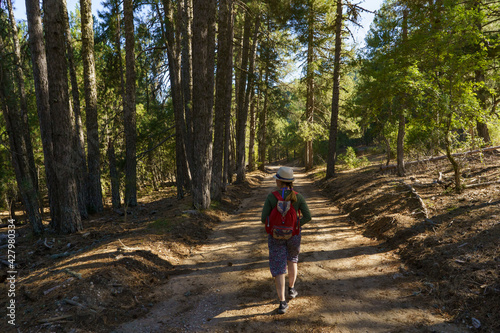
437,158
51,289
47,245
125,247
419,198
482,184
70,272
62,255
80,305
54,319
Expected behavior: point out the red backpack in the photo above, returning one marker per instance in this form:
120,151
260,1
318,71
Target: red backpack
282,222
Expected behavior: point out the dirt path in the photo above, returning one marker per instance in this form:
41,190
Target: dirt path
346,282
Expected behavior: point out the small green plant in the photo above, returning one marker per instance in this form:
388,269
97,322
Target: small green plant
215,204
320,174
351,160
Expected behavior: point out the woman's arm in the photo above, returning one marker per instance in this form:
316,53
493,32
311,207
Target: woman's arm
304,210
268,207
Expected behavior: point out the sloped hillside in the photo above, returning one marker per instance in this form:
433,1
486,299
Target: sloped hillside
449,241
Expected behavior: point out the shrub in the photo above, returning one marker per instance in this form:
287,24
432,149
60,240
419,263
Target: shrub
351,160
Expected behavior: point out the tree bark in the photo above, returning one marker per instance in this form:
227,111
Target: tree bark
204,12
482,93
129,107
310,91
400,151
223,93
332,144
174,54
16,129
80,162
402,119
66,218
251,139
262,122
250,93
113,174
187,85
242,114
227,171
22,95
89,81
483,132
453,161
40,75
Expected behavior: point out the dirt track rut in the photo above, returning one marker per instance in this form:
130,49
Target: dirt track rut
346,282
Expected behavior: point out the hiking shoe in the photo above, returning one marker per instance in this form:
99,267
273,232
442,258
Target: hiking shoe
292,293
283,307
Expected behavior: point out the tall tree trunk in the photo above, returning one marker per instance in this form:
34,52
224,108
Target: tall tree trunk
80,162
89,81
187,85
251,139
451,158
402,120
22,95
227,175
250,93
16,129
113,174
110,151
40,75
223,93
310,100
483,132
400,151
118,49
173,44
242,114
67,218
388,149
204,12
262,122
332,144
230,170
482,93
129,107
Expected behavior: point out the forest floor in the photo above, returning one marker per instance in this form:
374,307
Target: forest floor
370,260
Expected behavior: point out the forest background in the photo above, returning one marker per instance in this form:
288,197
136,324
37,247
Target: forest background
193,94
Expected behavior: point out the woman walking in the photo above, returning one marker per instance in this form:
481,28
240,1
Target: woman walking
284,250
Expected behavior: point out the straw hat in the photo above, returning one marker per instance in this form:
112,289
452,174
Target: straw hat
284,174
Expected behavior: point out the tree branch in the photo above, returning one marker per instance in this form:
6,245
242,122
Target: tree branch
141,155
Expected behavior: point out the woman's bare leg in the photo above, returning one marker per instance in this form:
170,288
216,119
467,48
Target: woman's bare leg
292,273
280,286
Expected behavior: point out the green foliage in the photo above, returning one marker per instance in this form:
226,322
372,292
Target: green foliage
494,126
429,75
350,159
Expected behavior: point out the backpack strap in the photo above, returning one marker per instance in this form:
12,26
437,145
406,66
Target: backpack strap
278,196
